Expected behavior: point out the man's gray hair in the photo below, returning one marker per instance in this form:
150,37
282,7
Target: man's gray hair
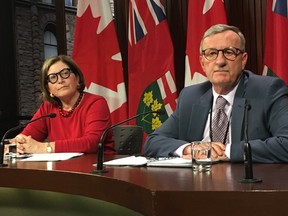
215,29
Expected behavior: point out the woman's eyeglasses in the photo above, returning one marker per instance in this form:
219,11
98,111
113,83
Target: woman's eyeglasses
64,74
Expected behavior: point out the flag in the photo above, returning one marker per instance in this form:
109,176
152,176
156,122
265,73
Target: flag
97,53
276,43
201,16
151,76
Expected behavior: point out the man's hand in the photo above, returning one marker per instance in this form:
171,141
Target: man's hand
217,151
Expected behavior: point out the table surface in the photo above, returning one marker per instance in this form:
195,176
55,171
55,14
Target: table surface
158,190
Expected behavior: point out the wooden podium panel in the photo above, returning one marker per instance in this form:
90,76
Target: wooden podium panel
22,202
158,190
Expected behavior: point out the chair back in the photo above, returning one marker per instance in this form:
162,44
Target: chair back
128,139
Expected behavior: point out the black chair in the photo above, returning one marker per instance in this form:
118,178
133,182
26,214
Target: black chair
128,139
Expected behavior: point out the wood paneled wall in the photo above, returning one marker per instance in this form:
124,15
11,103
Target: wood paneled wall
248,15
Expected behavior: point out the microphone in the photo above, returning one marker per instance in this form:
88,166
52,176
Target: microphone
248,163
51,115
100,158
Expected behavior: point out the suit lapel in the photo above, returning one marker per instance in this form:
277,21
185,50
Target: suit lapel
237,119
199,116
238,111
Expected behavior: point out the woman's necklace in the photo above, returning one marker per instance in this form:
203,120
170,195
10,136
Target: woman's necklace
68,113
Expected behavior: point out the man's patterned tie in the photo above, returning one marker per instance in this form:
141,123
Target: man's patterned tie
220,122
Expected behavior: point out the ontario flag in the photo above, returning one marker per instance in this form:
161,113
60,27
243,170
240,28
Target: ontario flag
201,16
96,51
276,42
150,63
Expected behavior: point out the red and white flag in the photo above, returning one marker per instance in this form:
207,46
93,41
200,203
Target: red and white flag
201,16
150,63
96,51
276,42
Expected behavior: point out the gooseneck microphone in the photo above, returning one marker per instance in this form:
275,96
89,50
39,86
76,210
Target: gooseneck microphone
248,163
51,115
100,158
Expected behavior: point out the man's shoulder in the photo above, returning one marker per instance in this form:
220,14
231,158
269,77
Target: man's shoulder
261,79
197,88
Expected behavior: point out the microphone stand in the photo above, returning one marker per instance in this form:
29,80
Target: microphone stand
248,163
100,158
2,164
2,145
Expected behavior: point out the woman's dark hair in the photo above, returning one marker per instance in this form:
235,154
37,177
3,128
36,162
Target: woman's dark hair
44,71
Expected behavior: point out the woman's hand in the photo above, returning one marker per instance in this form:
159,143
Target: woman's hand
26,144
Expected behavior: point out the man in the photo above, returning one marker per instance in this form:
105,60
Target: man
223,58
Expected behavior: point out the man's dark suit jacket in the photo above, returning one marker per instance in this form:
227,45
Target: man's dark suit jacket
267,120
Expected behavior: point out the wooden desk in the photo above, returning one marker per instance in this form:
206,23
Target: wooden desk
159,191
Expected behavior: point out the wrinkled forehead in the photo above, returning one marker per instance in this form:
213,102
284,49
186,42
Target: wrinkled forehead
221,40
57,67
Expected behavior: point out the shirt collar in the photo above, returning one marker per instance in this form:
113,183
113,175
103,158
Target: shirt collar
229,97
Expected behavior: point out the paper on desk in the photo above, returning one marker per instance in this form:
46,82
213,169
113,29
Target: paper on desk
170,162
127,161
52,157
140,161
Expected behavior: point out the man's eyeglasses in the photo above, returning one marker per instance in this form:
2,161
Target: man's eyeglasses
229,53
64,74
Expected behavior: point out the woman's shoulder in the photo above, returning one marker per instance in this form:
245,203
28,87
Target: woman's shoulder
92,101
93,97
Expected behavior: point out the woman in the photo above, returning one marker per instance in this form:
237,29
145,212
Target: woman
80,118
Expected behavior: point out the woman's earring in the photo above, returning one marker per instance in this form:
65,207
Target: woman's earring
51,95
